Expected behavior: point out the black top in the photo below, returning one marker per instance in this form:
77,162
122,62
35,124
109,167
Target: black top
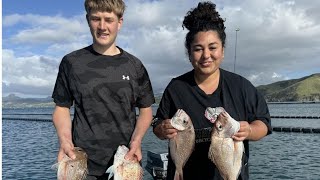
238,97
105,91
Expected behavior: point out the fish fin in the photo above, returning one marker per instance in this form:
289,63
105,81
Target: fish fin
110,170
55,166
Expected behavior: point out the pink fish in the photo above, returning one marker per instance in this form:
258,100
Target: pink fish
123,169
72,169
224,152
182,145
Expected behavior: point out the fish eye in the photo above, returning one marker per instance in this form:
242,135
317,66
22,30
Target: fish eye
184,121
219,126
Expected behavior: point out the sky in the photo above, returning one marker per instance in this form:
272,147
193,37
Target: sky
278,40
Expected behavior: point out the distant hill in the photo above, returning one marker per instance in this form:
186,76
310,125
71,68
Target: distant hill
299,90
13,101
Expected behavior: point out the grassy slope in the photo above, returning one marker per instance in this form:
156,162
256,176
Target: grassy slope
303,89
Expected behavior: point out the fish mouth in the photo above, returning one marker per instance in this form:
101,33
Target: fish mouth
212,113
213,118
180,120
176,125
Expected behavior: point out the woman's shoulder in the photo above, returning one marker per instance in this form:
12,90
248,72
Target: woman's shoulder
181,80
186,77
233,78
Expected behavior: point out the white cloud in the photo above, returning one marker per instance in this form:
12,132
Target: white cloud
45,29
262,77
277,40
275,75
31,72
275,36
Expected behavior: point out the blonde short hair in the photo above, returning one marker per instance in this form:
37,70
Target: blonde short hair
115,6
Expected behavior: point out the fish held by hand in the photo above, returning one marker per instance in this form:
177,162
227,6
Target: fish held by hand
123,169
182,145
72,169
224,152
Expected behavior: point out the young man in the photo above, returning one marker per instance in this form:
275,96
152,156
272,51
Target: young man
104,83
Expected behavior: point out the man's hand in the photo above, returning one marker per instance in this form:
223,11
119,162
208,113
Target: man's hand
134,153
66,148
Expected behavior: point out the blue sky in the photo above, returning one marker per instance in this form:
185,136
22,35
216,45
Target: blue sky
278,39
48,7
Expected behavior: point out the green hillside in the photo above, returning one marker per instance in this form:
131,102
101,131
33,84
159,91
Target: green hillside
300,90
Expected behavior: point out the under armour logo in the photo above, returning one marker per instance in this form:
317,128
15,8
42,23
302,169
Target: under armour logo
125,77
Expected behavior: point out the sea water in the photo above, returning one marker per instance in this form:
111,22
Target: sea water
29,148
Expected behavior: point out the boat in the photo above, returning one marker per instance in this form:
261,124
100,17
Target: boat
157,165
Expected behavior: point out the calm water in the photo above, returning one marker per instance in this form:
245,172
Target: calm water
29,148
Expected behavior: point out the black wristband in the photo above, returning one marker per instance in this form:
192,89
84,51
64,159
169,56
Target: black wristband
155,122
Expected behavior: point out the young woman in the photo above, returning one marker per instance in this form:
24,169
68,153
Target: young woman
207,85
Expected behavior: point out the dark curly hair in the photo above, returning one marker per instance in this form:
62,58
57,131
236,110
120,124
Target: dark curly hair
203,18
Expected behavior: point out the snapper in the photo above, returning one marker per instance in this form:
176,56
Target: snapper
182,145
224,152
123,169
72,169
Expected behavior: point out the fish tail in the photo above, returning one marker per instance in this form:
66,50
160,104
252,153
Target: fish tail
111,171
178,175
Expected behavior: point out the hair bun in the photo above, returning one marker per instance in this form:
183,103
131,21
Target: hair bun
204,13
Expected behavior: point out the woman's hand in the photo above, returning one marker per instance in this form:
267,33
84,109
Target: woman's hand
254,131
244,131
165,130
